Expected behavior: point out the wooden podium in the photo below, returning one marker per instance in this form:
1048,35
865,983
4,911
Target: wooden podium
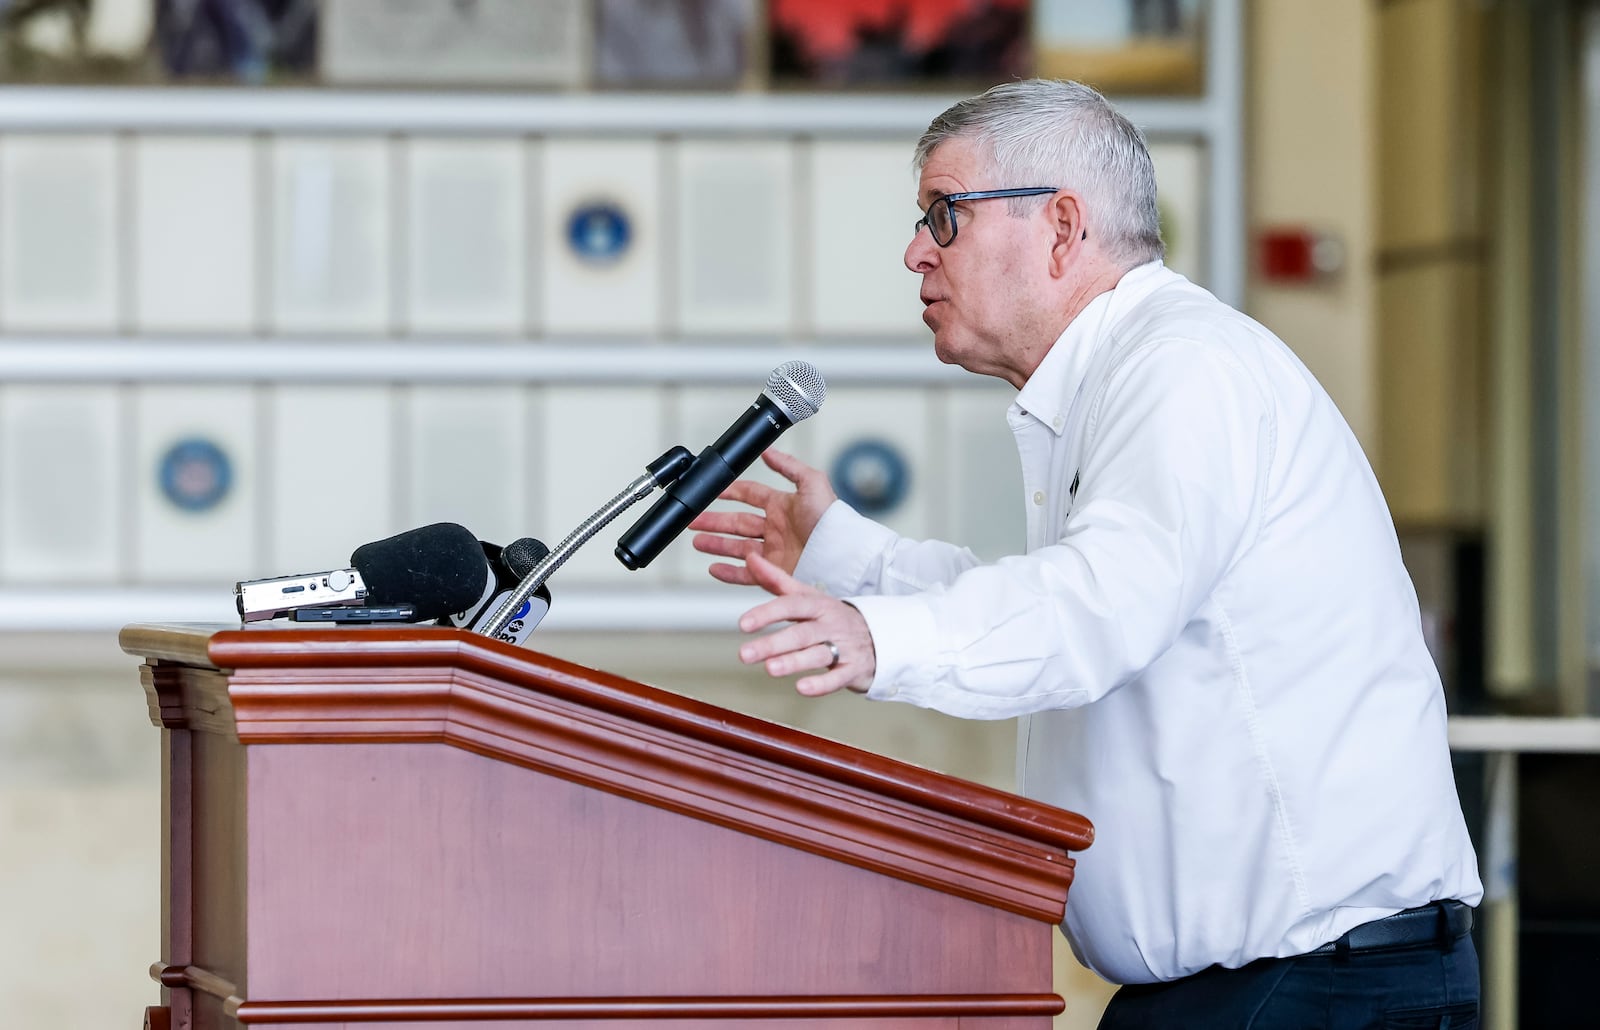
382,828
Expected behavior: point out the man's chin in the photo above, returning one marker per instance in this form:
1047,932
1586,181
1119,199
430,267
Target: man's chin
945,351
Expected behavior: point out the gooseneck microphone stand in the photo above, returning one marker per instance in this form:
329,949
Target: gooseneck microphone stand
662,472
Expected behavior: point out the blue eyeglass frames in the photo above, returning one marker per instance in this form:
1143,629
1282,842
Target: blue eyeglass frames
940,218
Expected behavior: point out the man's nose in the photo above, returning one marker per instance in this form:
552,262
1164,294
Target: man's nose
922,254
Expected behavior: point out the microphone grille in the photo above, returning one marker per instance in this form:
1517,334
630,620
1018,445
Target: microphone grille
797,387
520,556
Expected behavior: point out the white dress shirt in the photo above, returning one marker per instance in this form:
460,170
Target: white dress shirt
1213,642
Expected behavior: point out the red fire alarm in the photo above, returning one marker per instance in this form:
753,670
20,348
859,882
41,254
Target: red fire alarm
1289,255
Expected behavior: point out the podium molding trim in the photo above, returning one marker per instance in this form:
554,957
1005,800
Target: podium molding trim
689,1007
284,686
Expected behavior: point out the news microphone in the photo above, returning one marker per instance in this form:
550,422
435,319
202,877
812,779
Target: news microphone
437,569
494,583
794,392
510,564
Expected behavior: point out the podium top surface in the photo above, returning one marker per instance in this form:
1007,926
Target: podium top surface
282,684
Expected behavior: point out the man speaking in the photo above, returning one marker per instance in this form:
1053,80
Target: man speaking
1213,645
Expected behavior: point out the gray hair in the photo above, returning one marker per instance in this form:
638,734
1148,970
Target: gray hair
1044,132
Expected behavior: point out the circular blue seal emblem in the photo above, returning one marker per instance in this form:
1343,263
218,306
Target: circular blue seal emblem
599,232
195,474
871,476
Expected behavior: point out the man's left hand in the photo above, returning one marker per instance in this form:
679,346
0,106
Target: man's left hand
817,620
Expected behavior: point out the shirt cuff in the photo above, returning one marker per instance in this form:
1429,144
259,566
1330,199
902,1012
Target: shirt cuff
905,645
842,550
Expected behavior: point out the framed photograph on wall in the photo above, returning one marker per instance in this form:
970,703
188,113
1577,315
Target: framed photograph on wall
250,42
1122,46
819,43
675,43
76,42
463,42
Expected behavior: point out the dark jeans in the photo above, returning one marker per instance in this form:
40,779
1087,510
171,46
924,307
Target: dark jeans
1433,986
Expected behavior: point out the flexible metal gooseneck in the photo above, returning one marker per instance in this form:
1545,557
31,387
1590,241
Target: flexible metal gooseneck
662,472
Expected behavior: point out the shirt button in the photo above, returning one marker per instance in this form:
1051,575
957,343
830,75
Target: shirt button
1058,421
1038,497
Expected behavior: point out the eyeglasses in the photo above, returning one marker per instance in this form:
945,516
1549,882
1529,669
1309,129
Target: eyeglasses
940,218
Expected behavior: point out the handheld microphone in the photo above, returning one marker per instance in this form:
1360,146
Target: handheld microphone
510,565
794,392
436,569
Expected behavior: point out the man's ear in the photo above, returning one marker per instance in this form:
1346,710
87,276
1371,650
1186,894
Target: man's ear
1066,213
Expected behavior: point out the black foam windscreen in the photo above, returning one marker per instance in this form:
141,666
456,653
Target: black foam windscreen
439,569
521,556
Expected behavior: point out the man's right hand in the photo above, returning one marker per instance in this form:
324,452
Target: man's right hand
778,533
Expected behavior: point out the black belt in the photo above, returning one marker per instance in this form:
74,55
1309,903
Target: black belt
1437,923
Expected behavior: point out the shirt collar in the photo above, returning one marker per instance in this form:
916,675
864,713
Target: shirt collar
1049,392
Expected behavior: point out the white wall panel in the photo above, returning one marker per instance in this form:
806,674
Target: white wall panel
194,232
861,206
594,442
467,459
58,233
331,242
1181,196
217,546
703,414
984,503
735,237
898,418
331,474
61,470
585,184
467,222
